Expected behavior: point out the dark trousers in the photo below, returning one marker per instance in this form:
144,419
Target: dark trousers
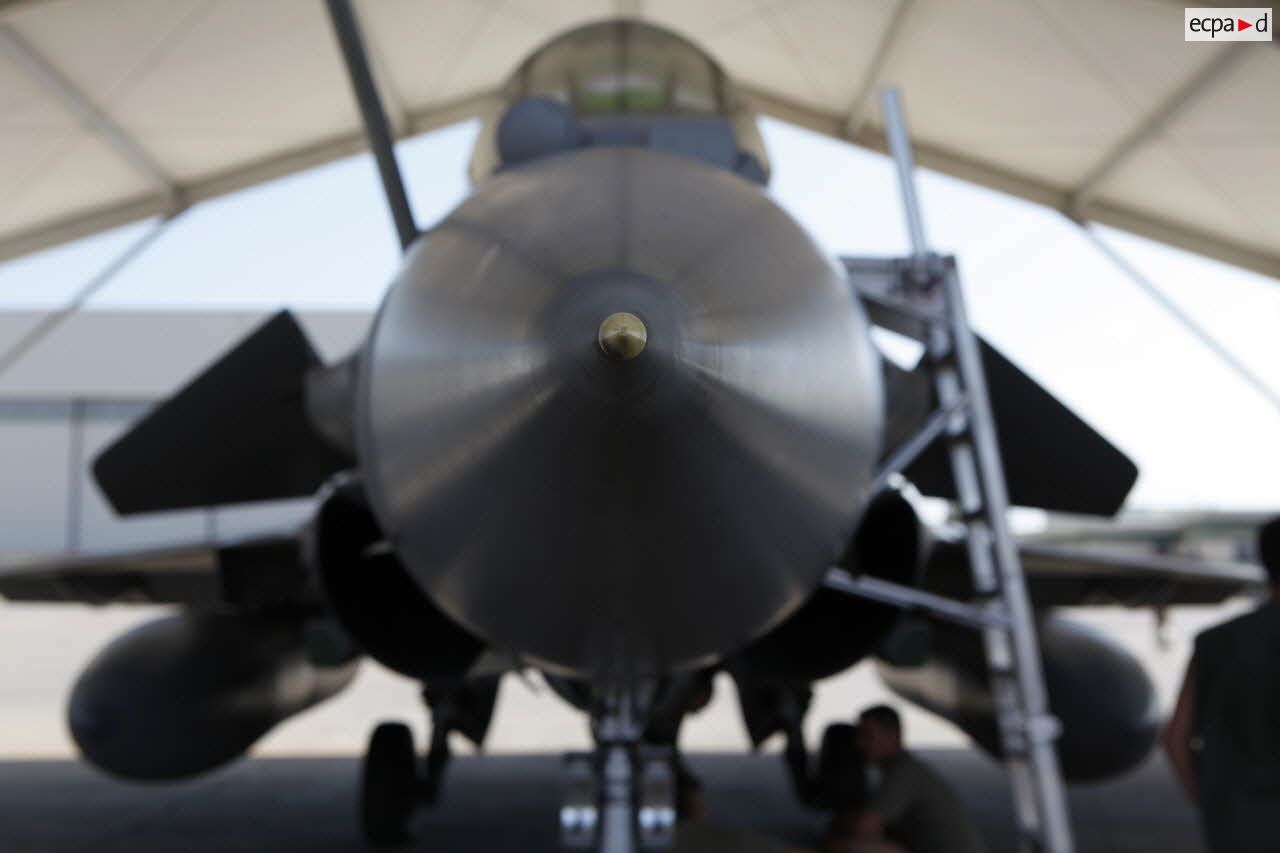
1242,823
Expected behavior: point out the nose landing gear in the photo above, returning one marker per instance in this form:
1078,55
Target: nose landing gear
389,787
395,783
621,798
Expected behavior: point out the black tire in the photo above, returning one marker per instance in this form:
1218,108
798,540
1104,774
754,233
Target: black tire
389,788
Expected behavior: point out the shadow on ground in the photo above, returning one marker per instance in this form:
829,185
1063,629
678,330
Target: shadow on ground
498,804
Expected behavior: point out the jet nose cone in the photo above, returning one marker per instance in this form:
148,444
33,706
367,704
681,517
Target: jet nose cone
618,348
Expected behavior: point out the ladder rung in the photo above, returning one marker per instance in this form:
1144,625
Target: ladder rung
988,614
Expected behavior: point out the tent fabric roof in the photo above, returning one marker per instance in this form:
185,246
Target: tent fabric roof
116,110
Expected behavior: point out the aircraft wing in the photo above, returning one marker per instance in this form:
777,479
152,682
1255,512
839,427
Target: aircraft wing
1060,575
251,575
1108,575
268,571
1159,528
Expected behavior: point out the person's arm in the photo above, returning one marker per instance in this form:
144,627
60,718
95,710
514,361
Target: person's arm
1178,735
886,805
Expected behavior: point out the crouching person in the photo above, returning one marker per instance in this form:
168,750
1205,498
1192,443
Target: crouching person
910,808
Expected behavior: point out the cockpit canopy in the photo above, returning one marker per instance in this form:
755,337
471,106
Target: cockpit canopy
621,82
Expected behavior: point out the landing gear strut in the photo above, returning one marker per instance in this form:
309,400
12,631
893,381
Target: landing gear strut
621,798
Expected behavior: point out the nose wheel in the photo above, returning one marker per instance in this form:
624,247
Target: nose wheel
396,782
390,788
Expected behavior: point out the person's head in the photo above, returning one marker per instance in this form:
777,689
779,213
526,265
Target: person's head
879,733
1269,549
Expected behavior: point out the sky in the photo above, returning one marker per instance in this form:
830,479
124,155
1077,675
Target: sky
1037,288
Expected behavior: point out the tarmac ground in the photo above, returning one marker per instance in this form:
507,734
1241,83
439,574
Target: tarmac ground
502,804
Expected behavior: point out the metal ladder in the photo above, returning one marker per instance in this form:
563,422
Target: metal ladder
924,293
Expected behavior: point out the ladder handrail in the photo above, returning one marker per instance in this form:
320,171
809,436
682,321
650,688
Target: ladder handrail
925,289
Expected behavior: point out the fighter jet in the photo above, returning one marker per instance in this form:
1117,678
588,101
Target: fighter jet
618,420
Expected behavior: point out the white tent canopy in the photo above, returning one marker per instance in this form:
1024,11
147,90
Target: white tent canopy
115,110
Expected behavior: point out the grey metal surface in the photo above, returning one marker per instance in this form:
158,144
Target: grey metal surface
707,483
